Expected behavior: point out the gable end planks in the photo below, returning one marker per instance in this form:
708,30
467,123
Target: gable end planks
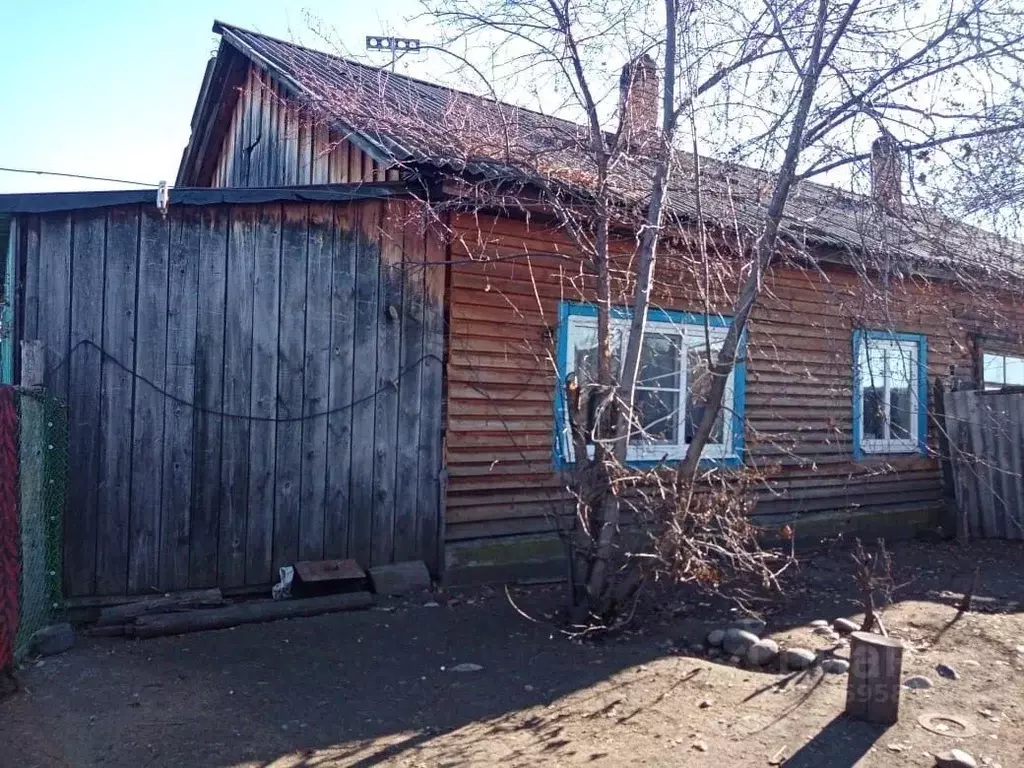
270,141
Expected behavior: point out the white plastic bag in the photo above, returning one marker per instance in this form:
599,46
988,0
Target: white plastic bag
283,589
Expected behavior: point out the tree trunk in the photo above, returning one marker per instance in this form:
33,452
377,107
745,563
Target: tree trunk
764,249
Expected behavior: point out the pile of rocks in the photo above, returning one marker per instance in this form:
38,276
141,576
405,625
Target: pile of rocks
740,641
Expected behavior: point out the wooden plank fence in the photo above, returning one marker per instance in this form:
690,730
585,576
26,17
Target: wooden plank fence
986,445
248,385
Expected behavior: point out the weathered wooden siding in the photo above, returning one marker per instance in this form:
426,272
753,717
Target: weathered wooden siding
986,437
269,141
504,317
269,387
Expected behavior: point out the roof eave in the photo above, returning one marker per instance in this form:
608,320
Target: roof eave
51,202
219,82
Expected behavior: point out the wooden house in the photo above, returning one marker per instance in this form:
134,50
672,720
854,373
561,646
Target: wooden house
296,361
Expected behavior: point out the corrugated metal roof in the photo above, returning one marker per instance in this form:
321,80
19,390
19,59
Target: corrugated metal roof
406,120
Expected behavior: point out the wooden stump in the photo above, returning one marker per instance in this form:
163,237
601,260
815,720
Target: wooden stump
873,688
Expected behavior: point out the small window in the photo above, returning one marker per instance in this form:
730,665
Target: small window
889,392
672,386
999,371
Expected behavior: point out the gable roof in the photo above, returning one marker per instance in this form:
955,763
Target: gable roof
402,120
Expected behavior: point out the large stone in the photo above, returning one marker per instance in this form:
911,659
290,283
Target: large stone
947,671
798,658
53,639
820,623
845,626
917,683
835,666
737,641
955,758
762,652
749,624
715,637
400,578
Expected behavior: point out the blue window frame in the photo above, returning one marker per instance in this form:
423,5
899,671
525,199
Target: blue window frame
673,378
890,393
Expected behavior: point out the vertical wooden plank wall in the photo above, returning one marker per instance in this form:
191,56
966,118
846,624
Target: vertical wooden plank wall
269,388
271,142
338,489
238,322
148,412
88,237
263,396
179,418
986,441
204,527
364,380
291,354
385,417
412,274
430,494
118,394
316,370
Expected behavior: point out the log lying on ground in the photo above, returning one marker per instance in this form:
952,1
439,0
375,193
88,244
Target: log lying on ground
245,613
113,630
175,601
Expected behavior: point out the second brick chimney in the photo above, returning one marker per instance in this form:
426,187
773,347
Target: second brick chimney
887,173
638,101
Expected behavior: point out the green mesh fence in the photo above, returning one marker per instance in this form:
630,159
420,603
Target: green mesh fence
42,487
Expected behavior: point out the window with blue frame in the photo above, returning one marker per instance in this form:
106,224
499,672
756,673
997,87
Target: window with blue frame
890,394
672,387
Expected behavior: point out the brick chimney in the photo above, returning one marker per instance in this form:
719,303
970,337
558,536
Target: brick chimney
887,173
638,101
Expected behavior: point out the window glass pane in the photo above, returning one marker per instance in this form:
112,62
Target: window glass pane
874,414
698,383
1014,371
658,413
584,353
900,370
872,385
899,413
992,367
873,366
659,361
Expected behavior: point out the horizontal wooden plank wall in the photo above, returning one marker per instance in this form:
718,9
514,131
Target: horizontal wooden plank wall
271,142
986,437
799,379
269,387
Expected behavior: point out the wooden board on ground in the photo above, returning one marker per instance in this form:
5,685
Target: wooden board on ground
329,570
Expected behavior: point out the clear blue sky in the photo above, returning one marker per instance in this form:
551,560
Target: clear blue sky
107,87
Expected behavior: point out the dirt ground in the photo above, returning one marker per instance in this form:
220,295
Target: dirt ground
377,688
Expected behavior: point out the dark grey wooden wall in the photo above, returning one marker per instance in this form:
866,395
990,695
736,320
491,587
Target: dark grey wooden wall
986,449
249,385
